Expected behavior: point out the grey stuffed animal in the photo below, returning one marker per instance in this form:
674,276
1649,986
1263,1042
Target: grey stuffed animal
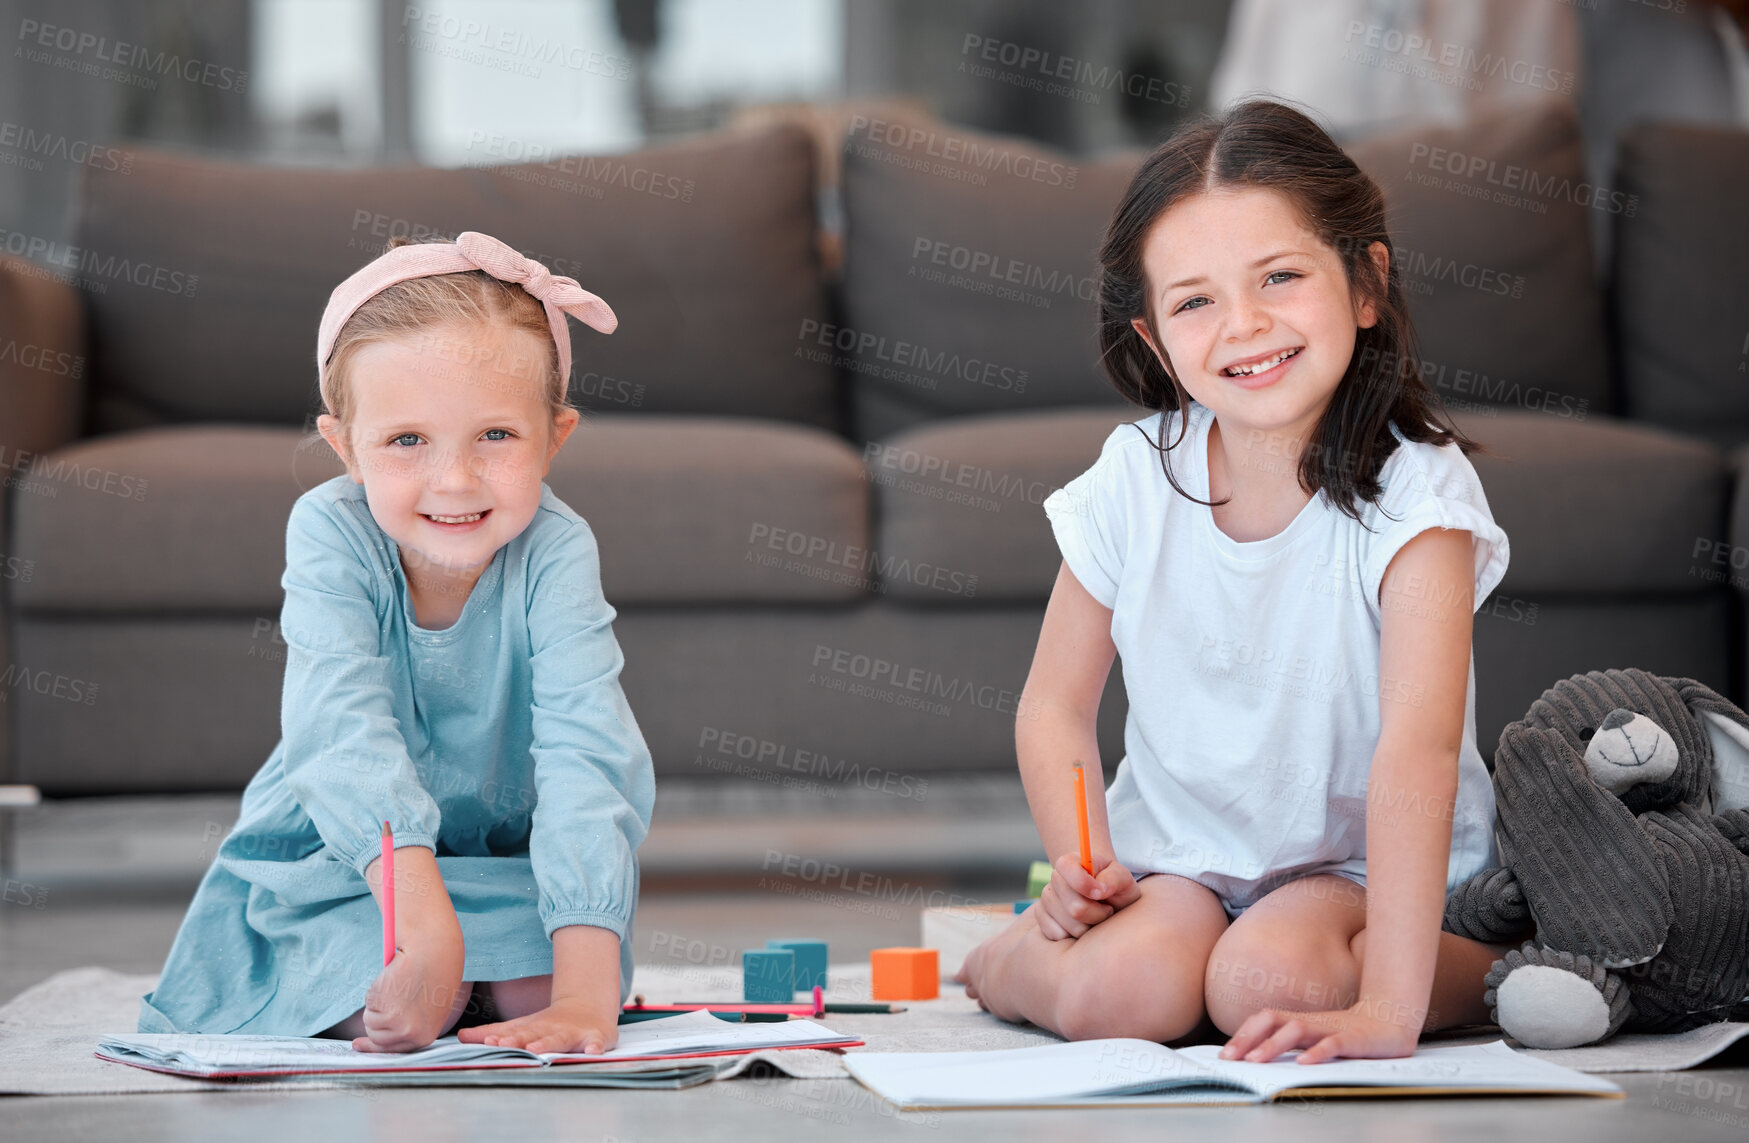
1623,829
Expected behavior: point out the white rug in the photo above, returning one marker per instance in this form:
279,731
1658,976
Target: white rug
47,1033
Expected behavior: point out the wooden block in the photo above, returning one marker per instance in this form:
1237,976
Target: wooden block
768,975
1038,878
810,961
955,930
905,974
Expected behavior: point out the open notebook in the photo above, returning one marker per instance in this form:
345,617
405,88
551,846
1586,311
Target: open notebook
1124,1072
685,1036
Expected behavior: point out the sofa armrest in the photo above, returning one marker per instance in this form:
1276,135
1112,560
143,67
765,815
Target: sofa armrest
42,406
1737,518
42,364
1737,532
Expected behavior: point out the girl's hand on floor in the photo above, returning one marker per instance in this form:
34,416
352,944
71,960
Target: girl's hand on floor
566,1025
1369,1030
1075,900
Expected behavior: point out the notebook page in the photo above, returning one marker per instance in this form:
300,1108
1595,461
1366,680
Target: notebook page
1054,1073
210,1055
1492,1065
699,1031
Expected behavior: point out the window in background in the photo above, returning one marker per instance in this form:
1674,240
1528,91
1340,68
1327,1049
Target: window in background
515,80
510,81
316,79
713,57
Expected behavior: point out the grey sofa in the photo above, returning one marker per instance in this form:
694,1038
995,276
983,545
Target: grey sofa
817,492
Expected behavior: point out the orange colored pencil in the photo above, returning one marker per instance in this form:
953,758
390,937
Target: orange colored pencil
388,894
1081,816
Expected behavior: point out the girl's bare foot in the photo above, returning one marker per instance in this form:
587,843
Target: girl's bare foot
987,958
971,969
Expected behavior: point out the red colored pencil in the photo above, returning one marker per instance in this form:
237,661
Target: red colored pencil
388,895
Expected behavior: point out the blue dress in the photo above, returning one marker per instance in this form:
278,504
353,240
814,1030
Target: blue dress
504,743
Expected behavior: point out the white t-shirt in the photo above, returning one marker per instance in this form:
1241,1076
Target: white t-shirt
1252,669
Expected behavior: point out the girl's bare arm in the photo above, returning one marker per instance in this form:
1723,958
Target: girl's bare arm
1426,605
1056,726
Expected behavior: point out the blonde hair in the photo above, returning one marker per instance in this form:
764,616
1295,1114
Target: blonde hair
418,304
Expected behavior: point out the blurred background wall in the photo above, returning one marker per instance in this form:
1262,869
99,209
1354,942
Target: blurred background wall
464,82
461,82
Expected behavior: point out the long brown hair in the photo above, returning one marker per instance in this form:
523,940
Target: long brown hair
1266,143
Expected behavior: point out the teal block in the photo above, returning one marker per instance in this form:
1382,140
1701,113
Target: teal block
1022,906
810,961
768,976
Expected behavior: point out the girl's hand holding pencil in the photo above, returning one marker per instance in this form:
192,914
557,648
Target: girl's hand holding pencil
1076,900
1087,889
409,1003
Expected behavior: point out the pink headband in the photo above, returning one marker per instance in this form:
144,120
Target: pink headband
471,250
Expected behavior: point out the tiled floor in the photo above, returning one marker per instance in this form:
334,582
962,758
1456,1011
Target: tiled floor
106,882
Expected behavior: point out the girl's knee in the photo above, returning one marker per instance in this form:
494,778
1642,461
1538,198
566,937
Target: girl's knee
350,1028
524,996
1244,975
460,1004
1158,1004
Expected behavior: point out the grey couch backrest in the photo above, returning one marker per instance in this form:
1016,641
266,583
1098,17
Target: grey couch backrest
205,280
1681,293
970,281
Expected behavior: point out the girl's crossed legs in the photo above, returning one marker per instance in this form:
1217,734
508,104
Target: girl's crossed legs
1154,969
1137,973
491,1000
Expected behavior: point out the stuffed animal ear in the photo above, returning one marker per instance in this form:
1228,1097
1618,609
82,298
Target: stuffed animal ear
1727,729
1730,741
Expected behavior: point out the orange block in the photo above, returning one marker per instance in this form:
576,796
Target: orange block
905,974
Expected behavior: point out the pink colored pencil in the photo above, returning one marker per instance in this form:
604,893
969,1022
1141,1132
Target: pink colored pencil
388,895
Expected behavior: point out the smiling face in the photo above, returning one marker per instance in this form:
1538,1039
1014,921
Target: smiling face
1254,312
451,446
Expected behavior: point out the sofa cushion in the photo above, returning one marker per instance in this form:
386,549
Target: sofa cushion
1592,506
1597,505
690,510
1682,294
965,495
970,267
820,704
701,510
214,274
1490,224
